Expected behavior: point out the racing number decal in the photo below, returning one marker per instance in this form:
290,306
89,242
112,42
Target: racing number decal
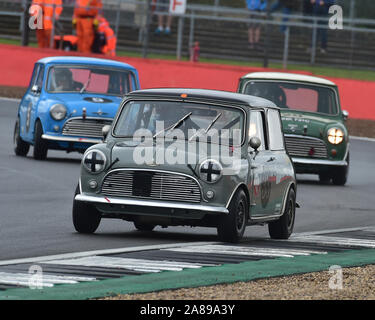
28,116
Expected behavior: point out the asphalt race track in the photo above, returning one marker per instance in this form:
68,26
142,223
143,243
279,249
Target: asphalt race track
36,202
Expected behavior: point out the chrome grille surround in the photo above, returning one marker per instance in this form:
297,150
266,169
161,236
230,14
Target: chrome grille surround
151,184
90,127
299,146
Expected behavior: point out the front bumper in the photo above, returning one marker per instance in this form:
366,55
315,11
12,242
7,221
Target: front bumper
151,204
319,162
70,139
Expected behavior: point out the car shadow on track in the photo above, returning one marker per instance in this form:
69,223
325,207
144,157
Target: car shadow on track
153,235
63,160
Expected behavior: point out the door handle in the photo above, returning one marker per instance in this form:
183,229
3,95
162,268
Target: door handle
271,159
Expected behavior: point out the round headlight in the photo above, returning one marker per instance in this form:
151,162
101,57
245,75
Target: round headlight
335,136
210,171
58,112
94,161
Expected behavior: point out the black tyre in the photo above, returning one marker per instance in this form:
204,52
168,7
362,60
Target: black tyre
232,226
283,228
340,175
86,218
40,145
144,226
21,148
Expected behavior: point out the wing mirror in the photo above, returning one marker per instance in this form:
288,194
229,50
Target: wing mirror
105,131
345,114
35,89
255,143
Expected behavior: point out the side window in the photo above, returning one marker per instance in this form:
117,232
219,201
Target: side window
35,73
39,79
275,132
256,128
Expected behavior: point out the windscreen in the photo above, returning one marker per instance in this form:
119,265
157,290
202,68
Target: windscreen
89,80
160,118
296,96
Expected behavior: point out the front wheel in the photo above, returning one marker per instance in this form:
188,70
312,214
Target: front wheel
21,148
40,145
340,175
86,218
283,228
232,226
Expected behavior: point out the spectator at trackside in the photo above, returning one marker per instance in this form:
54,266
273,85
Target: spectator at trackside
162,7
307,8
254,27
287,7
320,9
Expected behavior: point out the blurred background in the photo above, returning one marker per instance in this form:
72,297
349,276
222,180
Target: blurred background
281,34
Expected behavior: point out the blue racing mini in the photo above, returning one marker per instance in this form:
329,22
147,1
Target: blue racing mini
68,102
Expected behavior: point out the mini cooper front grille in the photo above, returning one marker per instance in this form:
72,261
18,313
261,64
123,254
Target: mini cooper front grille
305,147
85,128
153,185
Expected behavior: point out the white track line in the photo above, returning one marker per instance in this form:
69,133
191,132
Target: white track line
316,239
247,251
46,280
362,138
43,259
130,264
10,99
310,233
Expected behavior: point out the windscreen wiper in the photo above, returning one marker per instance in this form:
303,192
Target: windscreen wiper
86,84
174,126
209,127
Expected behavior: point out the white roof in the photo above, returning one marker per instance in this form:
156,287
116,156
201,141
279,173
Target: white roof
287,76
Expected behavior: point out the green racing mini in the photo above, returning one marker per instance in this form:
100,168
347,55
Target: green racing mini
314,125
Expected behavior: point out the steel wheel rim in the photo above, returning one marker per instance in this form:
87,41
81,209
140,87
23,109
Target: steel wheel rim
240,217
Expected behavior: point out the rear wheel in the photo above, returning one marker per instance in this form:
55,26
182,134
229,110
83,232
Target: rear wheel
283,228
86,218
340,175
144,226
40,145
232,226
21,148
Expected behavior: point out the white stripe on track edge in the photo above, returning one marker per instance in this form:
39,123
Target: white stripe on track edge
311,233
42,259
143,265
46,280
362,138
10,99
248,251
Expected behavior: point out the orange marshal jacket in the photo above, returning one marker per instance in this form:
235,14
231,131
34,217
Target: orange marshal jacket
48,10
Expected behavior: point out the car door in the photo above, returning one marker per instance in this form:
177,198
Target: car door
32,102
278,169
258,180
25,103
